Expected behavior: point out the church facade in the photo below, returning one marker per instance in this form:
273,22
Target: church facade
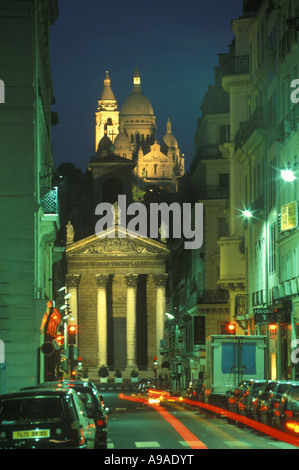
118,278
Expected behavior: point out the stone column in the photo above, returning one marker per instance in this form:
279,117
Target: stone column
72,284
101,280
160,280
131,280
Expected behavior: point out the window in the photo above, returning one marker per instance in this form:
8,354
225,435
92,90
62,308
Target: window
199,330
272,183
223,180
223,229
272,251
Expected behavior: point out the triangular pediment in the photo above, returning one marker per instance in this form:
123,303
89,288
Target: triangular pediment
116,241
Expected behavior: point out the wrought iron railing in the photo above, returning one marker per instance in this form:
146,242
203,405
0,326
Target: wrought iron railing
238,65
246,129
49,200
213,192
212,296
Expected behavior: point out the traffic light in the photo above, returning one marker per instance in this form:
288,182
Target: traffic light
60,340
72,333
227,328
231,328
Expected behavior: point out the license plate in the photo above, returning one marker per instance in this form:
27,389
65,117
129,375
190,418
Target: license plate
39,433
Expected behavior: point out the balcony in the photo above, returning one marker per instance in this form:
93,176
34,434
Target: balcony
237,65
246,129
212,192
49,200
213,296
289,38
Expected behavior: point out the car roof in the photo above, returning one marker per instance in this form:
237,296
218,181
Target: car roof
37,391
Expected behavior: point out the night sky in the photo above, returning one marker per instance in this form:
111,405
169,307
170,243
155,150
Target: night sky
175,44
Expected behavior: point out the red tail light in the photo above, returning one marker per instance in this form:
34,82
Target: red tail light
100,422
194,393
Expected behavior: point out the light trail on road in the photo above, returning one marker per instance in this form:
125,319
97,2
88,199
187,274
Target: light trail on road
192,440
184,432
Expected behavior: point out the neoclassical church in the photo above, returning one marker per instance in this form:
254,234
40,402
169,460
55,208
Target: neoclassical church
118,280
132,133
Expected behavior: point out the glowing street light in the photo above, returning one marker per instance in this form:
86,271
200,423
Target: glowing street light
247,213
288,175
170,316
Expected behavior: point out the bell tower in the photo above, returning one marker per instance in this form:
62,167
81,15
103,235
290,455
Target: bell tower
107,115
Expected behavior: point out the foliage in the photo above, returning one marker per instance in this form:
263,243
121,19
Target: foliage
134,373
118,373
103,371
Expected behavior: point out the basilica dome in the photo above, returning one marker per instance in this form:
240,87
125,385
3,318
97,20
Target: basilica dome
169,138
137,103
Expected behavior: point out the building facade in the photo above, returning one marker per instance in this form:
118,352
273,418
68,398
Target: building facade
29,211
256,152
263,142
200,306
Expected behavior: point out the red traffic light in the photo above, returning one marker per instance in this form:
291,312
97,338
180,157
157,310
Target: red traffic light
72,332
231,328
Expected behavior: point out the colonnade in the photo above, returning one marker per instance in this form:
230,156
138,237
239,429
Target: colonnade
131,280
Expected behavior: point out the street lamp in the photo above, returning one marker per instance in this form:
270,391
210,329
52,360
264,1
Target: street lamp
288,175
247,213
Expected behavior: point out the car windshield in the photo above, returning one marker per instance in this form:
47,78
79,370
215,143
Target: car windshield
30,409
281,389
257,386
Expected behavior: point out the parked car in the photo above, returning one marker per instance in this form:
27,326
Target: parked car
195,391
45,418
233,397
246,400
286,416
262,396
271,402
91,400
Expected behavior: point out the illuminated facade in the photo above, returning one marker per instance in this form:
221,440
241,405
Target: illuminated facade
29,216
132,134
264,141
201,307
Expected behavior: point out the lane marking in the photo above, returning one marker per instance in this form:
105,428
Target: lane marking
149,444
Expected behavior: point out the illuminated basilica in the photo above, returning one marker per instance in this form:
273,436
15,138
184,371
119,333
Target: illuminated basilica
131,134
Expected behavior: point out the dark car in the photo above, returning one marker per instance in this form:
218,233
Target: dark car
196,390
234,397
91,400
93,404
270,403
245,404
286,416
262,397
44,419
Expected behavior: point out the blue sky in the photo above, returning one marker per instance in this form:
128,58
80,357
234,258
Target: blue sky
175,44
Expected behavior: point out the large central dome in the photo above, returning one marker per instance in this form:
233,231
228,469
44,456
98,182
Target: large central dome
137,103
